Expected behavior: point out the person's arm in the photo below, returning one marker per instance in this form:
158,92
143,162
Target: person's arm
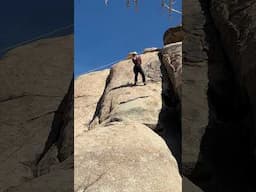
133,61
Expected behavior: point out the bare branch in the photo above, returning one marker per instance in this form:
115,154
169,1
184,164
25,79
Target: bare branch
164,4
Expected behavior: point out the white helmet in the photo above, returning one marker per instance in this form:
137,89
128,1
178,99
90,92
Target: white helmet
134,53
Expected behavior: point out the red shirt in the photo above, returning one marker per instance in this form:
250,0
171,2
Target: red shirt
136,60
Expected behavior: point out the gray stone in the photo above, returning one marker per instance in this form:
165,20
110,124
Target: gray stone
35,79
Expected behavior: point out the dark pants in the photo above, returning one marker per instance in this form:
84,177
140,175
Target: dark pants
137,69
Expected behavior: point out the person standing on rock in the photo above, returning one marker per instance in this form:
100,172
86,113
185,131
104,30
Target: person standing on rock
136,59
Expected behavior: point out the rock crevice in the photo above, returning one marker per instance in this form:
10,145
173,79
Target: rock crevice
30,98
226,161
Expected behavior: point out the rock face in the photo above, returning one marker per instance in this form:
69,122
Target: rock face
151,49
194,84
120,149
170,115
173,35
227,153
124,102
187,185
36,116
124,156
172,60
87,97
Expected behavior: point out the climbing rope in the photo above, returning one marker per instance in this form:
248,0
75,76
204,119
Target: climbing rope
172,9
103,66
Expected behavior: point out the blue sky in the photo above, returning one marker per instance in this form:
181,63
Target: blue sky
26,20
106,34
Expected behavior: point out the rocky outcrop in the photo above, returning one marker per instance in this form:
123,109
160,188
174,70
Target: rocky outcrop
170,116
87,97
151,49
235,24
194,84
124,156
57,180
172,60
173,35
122,101
184,91
187,185
227,159
36,116
121,150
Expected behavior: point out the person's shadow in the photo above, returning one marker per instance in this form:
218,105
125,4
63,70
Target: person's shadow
125,85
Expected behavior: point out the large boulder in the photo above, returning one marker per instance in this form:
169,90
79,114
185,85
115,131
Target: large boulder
35,79
60,178
120,150
234,22
54,181
123,101
187,185
173,35
88,90
150,49
194,84
124,156
172,60
170,115
228,30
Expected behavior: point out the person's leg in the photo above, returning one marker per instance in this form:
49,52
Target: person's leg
143,76
135,75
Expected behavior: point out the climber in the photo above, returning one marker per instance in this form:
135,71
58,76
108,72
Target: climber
136,59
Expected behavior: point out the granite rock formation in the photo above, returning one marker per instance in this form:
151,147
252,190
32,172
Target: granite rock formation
125,146
224,38
173,35
36,116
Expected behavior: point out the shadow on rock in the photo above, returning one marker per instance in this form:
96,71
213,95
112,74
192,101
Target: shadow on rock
169,121
122,86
